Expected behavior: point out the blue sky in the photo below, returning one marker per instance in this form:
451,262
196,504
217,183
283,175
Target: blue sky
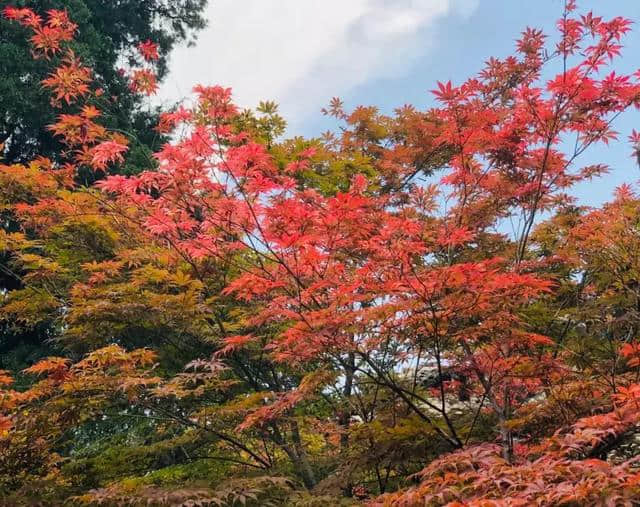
301,53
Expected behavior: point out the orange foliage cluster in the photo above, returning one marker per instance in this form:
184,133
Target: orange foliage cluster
350,291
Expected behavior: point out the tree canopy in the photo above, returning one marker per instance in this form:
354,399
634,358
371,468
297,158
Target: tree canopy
267,321
106,34
105,39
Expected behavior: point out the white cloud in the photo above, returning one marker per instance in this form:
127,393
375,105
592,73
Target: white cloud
301,53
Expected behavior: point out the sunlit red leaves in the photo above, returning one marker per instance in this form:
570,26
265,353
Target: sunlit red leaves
23,15
55,368
143,81
454,237
47,40
280,405
149,50
215,102
478,476
51,365
47,37
445,92
79,130
70,80
374,267
108,152
170,120
233,343
630,394
251,286
631,352
576,100
5,378
538,339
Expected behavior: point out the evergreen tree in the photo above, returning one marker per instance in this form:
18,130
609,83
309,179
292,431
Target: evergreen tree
108,32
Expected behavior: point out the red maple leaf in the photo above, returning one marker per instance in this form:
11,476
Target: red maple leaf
106,153
149,50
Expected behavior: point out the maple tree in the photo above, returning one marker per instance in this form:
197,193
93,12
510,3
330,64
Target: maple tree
105,39
314,320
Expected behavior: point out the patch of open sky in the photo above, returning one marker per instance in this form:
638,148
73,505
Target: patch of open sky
301,53
464,43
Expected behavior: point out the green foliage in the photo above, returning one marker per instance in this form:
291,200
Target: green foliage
106,40
304,322
106,37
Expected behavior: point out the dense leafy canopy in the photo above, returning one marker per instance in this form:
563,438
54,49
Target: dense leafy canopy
106,35
331,321
105,38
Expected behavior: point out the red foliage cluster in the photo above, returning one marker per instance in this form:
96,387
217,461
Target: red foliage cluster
370,279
